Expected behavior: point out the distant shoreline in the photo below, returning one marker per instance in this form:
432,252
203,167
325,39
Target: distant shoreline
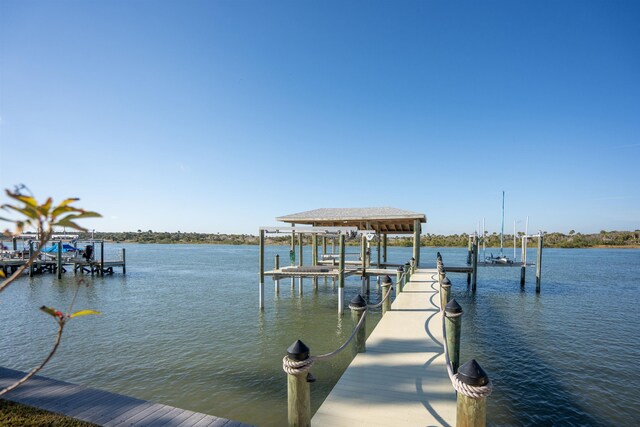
604,239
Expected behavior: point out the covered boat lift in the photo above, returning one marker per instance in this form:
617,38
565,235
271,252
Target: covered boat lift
339,224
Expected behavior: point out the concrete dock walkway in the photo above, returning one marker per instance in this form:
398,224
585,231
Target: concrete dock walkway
401,379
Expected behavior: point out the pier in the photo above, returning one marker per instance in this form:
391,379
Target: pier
102,407
401,378
61,254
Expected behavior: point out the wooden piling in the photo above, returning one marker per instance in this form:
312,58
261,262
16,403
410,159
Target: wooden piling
445,292
378,251
261,266
341,277
14,243
298,389
314,257
399,280
523,270
124,261
276,266
453,322
539,263
384,248
300,260
416,242
102,257
59,261
386,288
474,259
471,412
358,307
32,266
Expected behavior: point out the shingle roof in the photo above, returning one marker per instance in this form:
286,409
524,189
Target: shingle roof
382,219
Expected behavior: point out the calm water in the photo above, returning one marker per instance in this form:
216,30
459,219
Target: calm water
183,328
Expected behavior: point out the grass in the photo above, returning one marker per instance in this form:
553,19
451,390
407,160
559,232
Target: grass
15,414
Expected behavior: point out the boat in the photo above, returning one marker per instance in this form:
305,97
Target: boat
501,258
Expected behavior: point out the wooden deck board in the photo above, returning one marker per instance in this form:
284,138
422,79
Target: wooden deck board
401,379
101,407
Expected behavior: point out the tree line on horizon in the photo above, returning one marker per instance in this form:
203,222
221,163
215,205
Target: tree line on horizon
552,239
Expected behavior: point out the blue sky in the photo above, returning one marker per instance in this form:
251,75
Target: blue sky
218,116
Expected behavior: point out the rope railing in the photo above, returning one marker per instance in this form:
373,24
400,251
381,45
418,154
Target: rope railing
458,385
294,367
473,391
381,301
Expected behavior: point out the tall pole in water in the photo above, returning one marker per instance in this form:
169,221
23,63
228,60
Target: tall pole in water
502,228
514,240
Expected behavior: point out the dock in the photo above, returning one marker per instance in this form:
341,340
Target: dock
102,407
401,379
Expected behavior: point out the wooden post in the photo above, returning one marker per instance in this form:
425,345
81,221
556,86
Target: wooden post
399,280
261,265
276,266
453,321
298,390
14,243
292,256
324,245
31,267
102,257
314,249
363,258
523,272
445,292
358,307
124,261
539,263
59,260
314,257
469,251
474,255
386,288
341,277
384,248
300,260
471,412
378,251
416,242
407,274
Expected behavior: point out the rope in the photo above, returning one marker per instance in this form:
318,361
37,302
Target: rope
295,367
383,299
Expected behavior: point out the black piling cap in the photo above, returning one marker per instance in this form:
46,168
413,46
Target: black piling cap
358,301
471,373
413,259
298,351
446,282
386,280
438,255
453,307
400,269
406,264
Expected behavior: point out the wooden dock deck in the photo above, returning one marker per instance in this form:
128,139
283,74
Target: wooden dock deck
401,379
102,407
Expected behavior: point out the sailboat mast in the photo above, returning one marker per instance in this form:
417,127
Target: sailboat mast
502,228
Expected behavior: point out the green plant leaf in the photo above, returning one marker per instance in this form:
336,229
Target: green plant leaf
28,211
27,200
64,222
84,313
44,208
60,210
